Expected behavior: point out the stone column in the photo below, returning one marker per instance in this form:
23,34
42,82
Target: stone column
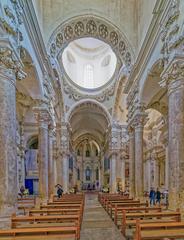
166,167
132,162
43,119
174,77
50,163
139,124
65,160
122,161
113,173
59,170
8,161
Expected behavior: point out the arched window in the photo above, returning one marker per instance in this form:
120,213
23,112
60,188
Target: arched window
88,174
78,152
88,76
87,153
96,152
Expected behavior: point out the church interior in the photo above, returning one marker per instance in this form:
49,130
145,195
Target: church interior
92,119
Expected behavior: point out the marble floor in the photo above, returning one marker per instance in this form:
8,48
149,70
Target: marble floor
97,225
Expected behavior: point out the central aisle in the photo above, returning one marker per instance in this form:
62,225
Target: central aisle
97,225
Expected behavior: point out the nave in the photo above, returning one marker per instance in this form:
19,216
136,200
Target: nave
93,216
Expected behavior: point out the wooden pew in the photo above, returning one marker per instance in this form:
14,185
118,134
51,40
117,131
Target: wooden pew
129,219
17,221
158,230
118,211
110,203
65,211
121,206
26,203
62,232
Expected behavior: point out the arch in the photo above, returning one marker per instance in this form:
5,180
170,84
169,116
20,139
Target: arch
151,82
88,103
91,26
31,85
31,140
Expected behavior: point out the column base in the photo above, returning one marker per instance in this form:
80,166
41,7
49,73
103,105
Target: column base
174,202
5,216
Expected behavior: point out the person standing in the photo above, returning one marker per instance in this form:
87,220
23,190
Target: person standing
152,196
158,196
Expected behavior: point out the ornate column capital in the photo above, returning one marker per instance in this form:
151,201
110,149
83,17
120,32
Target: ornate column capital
173,73
10,64
42,116
139,120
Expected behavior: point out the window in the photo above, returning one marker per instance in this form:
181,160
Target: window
87,153
88,76
88,174
78,174
97,174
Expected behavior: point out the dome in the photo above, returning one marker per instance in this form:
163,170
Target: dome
89,62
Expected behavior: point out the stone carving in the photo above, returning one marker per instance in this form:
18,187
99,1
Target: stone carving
122,48
91,27
87,26
68,32
9,13
139,119
103,32
170,30
79,28
53,49
76,95
10,22
174,72
114,38
9,61
18,10
59,40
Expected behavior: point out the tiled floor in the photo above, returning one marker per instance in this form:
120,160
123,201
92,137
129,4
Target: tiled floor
97,225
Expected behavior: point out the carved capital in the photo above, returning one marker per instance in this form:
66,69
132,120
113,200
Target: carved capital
139,120
9,61
42,116
173,76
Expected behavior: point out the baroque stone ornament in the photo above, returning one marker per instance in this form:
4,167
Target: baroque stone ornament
173,76
91,26
11,20
76,95
169,35
8,60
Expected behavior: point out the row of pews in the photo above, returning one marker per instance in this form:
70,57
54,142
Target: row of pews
55,219
137,220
